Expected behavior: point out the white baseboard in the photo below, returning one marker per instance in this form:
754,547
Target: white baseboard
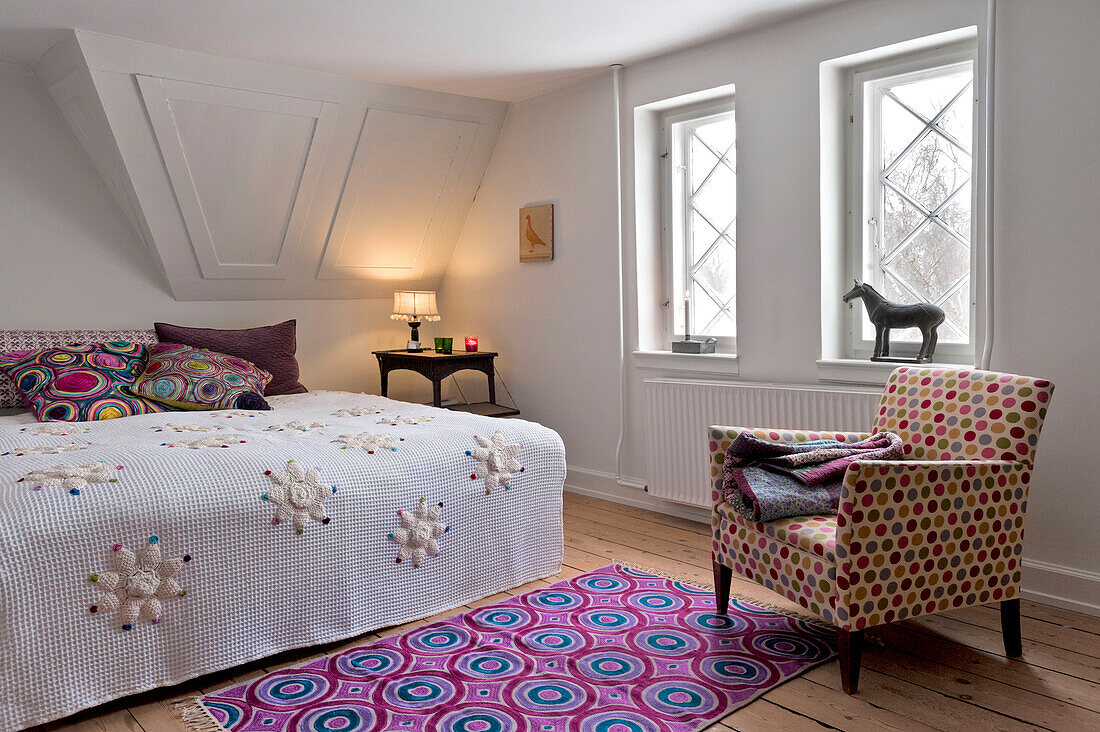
1065,587
598,484
1050,584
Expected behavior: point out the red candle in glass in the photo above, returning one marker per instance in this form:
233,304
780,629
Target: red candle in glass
471,344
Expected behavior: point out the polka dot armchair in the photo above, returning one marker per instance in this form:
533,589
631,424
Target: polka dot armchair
939,530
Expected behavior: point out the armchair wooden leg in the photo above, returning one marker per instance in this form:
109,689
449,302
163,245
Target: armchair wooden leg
1010,628
723,575
850,645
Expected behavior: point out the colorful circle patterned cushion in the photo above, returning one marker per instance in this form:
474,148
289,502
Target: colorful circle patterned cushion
80,383
195,378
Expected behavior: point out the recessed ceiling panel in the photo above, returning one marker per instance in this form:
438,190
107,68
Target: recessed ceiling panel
246,165
399,194
243,166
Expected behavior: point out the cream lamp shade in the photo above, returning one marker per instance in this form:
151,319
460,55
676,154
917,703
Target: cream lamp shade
414,305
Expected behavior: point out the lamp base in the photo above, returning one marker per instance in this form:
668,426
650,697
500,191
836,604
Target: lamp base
413,346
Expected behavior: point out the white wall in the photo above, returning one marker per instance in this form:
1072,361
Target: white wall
1048,260
555,325
68,259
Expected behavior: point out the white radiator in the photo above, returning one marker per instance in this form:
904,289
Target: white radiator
678,412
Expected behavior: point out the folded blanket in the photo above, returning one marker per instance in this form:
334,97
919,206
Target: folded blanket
766,480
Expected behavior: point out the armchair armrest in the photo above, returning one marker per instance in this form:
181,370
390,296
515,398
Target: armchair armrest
917,537
721,437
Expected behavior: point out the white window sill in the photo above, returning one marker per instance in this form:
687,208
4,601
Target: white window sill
862,371
715,364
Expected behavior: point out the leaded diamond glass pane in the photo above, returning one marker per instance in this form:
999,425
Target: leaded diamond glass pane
723,324
715,271
716,198
706,267
702,236
957,308
922,251
703,309
931,171
958,121
899,128
928,97
718,135
956,214
900,218
702,162
932,262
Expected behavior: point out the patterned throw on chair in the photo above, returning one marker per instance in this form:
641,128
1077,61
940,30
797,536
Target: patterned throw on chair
939,530
613,649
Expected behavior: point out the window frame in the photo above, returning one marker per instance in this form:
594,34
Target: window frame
863,202
675,201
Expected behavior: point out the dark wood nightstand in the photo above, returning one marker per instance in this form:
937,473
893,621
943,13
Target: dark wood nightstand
438,366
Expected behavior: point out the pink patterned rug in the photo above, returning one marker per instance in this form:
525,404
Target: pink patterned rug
613,650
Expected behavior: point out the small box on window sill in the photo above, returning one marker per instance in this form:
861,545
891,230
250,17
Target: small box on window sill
693,346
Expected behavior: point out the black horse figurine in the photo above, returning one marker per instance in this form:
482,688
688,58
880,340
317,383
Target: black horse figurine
885,315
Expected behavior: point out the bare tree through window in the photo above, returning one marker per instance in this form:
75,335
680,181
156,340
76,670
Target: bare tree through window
920,240
704,183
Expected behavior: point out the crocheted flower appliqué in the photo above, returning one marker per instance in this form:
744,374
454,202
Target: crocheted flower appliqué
140,581
198,443
298,495
419,534
56,429
231,413
496,461
358,412
369,442
394,421
45,450
173,427
298,425
72,477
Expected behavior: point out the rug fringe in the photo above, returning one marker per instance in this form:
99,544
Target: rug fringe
196,716
661,573
803,615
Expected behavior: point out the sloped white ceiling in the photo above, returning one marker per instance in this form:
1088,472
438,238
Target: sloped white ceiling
249,181
501,49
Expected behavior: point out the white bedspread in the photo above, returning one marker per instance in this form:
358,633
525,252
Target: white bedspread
252,588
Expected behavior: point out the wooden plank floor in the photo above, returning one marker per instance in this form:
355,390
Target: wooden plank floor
945,672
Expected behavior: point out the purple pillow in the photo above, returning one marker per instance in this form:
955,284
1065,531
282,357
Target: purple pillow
271,347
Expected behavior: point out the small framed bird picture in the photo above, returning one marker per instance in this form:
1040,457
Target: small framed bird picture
536,233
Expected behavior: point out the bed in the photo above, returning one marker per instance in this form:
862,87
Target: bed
144,551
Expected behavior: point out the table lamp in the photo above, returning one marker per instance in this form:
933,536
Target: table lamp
414,306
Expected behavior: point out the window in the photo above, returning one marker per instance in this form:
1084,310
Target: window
700,223
912,194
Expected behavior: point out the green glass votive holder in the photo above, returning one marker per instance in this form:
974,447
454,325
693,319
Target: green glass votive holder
444,345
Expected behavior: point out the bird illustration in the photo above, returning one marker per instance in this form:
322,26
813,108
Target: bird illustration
534,239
